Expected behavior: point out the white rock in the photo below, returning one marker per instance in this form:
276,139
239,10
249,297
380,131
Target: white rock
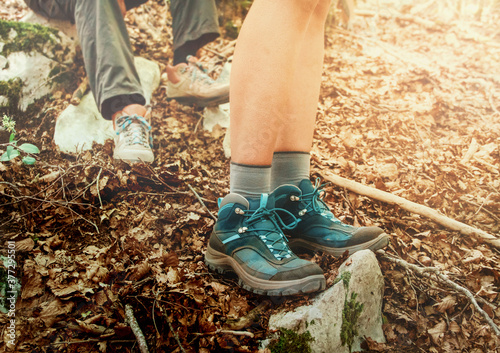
12,34
3,60
149,74
323,318
79,126
4,101
33,69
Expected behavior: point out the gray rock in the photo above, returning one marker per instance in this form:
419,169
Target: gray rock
361,275
79,126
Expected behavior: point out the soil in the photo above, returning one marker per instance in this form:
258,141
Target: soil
410,104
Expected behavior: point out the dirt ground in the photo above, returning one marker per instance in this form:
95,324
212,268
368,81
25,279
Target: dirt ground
409,104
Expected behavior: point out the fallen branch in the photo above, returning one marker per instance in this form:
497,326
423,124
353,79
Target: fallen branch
429,271
141,340
80,91
411,206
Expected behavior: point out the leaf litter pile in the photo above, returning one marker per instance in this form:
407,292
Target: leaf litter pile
409,104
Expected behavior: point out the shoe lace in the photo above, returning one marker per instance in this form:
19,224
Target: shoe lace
134,129
273,237
313,202
197,73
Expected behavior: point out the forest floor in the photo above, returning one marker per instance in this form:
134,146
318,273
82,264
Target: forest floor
409,104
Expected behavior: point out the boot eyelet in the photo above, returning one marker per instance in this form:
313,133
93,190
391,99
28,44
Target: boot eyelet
302,212
238,211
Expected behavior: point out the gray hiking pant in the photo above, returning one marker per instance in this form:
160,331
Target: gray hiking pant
106,49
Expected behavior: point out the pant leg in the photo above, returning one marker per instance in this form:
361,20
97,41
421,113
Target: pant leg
108,56
194,20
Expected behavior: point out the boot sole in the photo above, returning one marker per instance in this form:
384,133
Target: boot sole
378,243
222,263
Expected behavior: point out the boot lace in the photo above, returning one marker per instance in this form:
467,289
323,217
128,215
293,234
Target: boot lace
313,202
134,129
272,236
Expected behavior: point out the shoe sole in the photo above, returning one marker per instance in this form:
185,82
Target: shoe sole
378,243
222,263
199,101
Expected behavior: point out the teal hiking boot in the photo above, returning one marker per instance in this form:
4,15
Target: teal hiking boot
318,229
247,240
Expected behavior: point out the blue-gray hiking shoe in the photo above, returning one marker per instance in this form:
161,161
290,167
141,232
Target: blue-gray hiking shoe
247,240
318,229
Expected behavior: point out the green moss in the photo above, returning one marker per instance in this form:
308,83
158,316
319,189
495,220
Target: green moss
350,313
29,36
10,89
291,341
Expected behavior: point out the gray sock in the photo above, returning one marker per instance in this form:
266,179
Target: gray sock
289,168
250,181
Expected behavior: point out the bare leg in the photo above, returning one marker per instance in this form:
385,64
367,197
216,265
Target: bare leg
264,72
297,134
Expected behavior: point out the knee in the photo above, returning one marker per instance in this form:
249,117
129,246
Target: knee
307,6
314,7
322,9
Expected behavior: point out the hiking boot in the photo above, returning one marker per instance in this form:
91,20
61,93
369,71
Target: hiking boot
133,141
193,85
318,229
247,240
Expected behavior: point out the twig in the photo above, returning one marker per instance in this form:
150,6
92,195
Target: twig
141,340
231,332
91,341
429,271
201,201
97,186
176,336
411,206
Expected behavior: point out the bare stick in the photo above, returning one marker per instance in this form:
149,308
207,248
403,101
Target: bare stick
141,340
201,201
429,271
411,206
97,186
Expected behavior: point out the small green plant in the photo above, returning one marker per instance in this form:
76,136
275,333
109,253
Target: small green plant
13,150
291,341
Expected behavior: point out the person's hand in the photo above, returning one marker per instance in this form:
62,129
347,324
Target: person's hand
123,8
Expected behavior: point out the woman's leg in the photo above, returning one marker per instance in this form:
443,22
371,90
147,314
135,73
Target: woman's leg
262,77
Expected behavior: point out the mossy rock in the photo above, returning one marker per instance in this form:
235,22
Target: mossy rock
26,37
25,46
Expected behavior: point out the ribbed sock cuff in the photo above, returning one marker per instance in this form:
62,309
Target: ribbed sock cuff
290,168
250,181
